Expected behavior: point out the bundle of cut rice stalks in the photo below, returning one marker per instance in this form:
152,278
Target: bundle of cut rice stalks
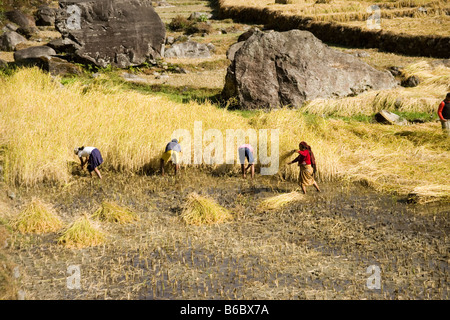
112,212
200,210
36,217
430,193
279,201
81,233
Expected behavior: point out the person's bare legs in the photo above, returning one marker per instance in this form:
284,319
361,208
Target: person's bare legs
177,167
243,170
303,188
97,172
317,186
253,170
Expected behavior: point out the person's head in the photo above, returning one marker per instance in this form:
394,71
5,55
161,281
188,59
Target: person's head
175,140
447,97
76,150
303,146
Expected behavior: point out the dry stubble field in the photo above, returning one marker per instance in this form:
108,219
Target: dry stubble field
317,248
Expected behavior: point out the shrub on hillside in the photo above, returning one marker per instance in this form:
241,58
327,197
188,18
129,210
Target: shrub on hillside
179,23
199,27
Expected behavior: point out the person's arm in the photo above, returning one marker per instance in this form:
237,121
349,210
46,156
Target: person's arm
295,160
82,162
441,107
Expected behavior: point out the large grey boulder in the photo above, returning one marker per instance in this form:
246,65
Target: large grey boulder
188,49
276,69
121,33
9,40
33,53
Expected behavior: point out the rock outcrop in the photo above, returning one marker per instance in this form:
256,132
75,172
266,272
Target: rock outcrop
121,33
276,69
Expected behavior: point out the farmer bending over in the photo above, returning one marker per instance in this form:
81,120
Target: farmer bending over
171,154
93,159
307,164
246,151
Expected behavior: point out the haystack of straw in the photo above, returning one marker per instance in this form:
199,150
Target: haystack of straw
82,233
112,212
36,217
200,210
277,202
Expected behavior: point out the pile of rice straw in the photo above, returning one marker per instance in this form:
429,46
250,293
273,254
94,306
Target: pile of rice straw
81,233
112,212
200,210
36,217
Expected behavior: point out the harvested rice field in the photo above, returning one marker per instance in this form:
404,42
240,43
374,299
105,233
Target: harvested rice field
316,247
209,234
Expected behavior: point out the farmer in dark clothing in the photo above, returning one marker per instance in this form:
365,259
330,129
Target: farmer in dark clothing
93,159
307,164
444,114
171,154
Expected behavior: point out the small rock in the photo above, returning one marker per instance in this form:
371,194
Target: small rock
3,64
163,77
9,40
170,40
45,16
132,77
10,27
189,49
412,81
387,117
211,47
422,10
11,195
361,54
247,34
199,16
395,71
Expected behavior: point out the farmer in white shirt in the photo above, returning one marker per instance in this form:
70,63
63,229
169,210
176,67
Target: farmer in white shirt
93,159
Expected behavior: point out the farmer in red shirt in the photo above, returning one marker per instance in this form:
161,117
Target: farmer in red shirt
307,164
444,113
